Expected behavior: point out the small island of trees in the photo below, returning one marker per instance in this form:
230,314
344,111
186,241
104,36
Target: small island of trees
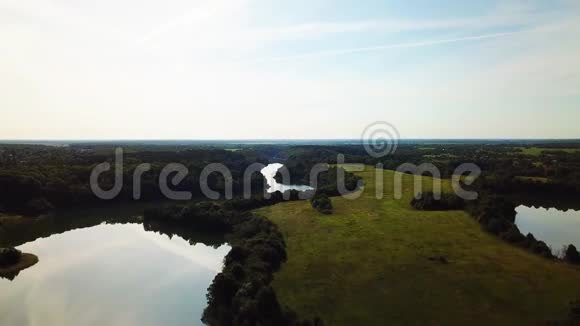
12,261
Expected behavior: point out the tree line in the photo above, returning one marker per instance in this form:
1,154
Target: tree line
241,294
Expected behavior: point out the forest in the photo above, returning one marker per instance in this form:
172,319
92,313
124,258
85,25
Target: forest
36,180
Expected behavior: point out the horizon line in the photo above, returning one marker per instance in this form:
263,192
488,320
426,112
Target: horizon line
268,139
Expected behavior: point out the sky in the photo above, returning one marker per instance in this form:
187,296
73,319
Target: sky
266,69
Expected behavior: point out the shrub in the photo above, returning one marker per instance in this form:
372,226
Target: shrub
529,241
427,201
513,235
9,256
322,203
495,226
572,256
542,249
493,207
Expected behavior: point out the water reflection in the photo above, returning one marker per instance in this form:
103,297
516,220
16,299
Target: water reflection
111,274
557,228
270,171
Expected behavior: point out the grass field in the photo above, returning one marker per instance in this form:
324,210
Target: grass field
536,151
533,179
368,264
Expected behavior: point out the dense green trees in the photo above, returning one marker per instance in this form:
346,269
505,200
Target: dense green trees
241,294
497,216
502,163
34,179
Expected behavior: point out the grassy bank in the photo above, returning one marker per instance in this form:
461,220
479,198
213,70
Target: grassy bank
369,264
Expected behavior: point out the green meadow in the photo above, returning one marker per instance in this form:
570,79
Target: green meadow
375,262
537,151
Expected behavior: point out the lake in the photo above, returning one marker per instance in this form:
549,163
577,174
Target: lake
102,266
556,227
92,273
269,172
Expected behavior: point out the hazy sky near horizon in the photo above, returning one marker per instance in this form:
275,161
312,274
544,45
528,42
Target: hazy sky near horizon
230,69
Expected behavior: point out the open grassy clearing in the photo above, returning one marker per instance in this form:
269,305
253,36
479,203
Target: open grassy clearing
536,151
533,179
368,264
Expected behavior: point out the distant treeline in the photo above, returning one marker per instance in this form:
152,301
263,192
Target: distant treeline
505,166
35,179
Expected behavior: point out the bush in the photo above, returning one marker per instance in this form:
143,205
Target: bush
572,256
529,241
495,226
322,203
9,256
426,201
513,235
493,207
542,249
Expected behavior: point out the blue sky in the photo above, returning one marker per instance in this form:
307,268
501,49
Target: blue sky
225,69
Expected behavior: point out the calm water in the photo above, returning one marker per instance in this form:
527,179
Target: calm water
94,270
111,274
557,228
270,171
